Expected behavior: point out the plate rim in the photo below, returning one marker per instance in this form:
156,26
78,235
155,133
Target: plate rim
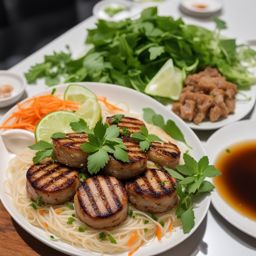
217,200
32,231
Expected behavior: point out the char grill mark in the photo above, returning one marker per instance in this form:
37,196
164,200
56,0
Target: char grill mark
133,150
154,185
98,197
132,124
169,149
74,140
50,177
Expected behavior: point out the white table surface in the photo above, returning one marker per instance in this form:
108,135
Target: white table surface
214,237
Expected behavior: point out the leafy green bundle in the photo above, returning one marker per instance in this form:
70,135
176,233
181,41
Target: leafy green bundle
130,52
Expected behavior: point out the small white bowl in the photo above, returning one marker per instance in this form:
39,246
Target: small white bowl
18,84
201,8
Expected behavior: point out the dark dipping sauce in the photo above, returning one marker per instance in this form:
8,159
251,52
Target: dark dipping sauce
237,184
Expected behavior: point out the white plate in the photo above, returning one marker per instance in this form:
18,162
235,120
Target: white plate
222,139
243,107
137,102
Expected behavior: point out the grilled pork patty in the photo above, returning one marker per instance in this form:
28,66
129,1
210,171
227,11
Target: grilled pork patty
153,192
101,202
165,154
53,182
137,162
130,123
67,150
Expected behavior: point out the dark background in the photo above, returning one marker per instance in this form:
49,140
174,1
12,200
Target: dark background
27,25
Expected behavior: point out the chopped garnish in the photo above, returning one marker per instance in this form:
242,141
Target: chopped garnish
191,182
53,91
153,216
162,223
145,138
36,204
146,230
70,220
170,228
82,176
158,233
125,132
46,226
58,210
42,212
53,238
107,236
109,106
146,221
81,229
70,205
104,140
133,238
131,213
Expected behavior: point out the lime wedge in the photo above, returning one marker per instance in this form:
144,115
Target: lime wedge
78,93
167,82
90,111
58,121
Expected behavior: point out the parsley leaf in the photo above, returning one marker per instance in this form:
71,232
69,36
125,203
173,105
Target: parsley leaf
70,220
58,135
144,138
81,229
107,236
44,150
170,127
41,145
190,183
80,126
103,140
220,24
70,205
116,118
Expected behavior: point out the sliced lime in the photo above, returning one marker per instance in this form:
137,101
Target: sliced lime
58,121
78,93
167,82
90,111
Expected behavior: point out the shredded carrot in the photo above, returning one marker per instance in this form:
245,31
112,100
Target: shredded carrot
30,112
132,239
134,250
108,105
45,225
58,210
158,233
170,228
42,212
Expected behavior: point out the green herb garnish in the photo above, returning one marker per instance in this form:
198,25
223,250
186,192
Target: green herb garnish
70,220
44,150
170,127
82,176
81,229
116,118
125,132
191,183
146,221
70,205
58,135
80,126
36,204
103,141
107,236
144,138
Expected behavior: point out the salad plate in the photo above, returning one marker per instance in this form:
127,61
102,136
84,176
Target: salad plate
135,102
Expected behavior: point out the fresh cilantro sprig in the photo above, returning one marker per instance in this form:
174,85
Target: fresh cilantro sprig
80,126
116,118
103,142
191,183
170,127
44,150
145,139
